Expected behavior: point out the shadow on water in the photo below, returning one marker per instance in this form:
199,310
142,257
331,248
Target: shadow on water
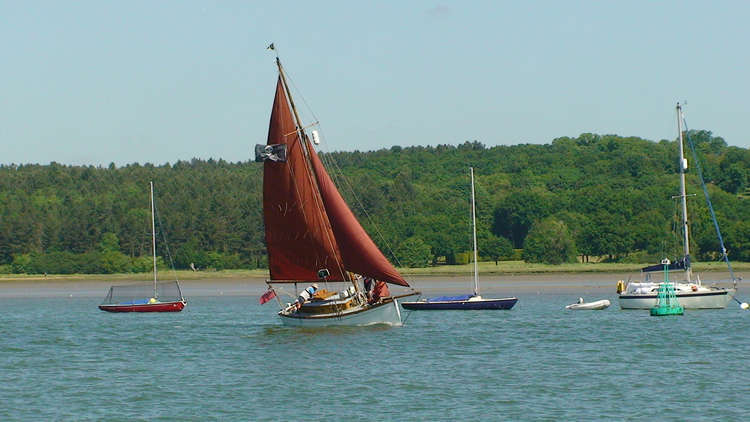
281,331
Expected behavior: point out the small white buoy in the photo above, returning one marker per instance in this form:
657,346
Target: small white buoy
744,305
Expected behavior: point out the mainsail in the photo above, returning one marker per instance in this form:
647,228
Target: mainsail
308,224
298,235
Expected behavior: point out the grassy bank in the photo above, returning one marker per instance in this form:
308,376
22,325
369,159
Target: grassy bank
520,267
503,267
163,275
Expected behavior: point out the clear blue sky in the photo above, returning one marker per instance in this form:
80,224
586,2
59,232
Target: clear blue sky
94,82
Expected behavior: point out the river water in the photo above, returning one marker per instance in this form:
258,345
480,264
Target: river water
227,358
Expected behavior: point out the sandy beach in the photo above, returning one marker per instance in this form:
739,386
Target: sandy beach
508,285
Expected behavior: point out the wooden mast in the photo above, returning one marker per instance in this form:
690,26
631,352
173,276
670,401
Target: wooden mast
306,152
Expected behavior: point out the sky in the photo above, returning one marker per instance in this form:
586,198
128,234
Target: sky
99,82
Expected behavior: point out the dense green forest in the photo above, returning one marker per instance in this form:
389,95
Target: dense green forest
588,198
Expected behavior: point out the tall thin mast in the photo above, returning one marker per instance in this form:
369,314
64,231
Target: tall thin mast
474,230
683,197
305,148
153,233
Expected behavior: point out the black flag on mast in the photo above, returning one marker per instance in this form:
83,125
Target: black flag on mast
271,47
273,152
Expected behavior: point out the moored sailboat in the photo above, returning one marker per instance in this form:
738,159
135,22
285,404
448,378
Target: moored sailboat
159,297
690,292
465,302
313,238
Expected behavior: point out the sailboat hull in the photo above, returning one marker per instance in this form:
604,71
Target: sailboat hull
148,307
386,312
716,298
468,305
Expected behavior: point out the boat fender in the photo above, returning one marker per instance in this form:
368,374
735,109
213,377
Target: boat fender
620,286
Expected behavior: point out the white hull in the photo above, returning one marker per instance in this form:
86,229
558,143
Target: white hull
386,313
590,306
711,298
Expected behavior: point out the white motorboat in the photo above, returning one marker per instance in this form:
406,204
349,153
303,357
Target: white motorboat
589,306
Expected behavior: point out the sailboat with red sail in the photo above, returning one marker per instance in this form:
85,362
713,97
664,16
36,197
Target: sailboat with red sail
314,241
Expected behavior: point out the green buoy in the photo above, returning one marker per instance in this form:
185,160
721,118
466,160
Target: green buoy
666,300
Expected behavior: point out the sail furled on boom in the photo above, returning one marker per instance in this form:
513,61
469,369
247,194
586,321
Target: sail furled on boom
299,237
360,253
676,265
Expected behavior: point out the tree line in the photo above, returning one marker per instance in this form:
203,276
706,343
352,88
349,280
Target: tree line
590,197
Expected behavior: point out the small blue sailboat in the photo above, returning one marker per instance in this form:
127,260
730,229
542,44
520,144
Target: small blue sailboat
465,302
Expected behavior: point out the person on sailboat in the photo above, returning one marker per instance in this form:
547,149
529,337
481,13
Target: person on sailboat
368,288
379,291
305,295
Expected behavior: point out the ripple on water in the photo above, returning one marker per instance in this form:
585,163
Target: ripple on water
226,358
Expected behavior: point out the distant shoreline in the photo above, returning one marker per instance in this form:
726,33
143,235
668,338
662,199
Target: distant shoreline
485,268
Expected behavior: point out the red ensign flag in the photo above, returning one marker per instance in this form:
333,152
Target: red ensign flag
270,294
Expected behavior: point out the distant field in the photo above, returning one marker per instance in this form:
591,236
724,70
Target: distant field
520,267
504,267
163,275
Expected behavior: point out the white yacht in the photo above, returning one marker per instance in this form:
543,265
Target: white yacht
691,292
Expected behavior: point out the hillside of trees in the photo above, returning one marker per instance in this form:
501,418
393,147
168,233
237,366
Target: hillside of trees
592,197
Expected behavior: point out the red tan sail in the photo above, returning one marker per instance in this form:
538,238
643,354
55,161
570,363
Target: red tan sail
359,251
309,226
299,237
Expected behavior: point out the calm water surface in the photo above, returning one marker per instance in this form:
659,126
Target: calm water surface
227,358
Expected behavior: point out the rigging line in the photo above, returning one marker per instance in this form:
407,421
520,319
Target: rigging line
350,187
166,245
314,184
344,182
674,247
330,236
410,312
708,200
299,93
300,134
300,201
347,184
307,105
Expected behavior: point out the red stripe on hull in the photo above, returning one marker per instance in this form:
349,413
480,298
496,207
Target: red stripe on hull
148,307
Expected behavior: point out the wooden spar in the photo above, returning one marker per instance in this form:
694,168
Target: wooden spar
412,293
306,152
